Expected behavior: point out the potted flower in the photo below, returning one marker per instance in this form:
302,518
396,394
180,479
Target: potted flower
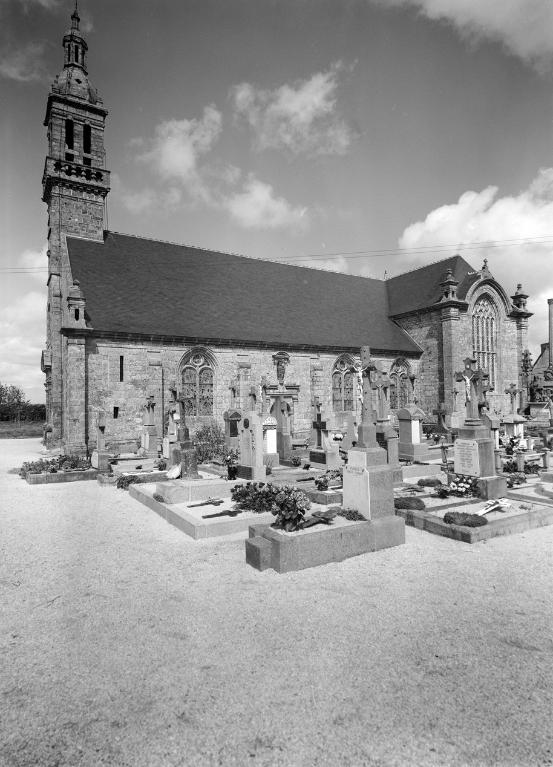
231,461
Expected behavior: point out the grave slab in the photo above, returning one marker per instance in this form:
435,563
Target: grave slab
320,545
508,523
187,490
190,519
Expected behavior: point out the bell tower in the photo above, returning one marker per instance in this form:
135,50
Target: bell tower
75,184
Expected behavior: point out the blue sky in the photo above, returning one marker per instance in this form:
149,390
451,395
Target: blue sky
389,132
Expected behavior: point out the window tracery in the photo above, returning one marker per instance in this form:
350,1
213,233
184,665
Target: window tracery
197,383
484,336
343,385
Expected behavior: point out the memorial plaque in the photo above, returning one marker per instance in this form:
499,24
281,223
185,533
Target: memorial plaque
466,458
357,458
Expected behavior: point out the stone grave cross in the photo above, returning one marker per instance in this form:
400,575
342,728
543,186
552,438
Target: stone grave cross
318,424
441,412
476,385
183,432
367,428
379,384
512,391
149,414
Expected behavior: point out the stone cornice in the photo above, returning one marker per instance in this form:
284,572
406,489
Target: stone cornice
227,342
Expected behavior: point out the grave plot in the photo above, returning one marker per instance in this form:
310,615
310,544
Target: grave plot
212,513
57,470
468,519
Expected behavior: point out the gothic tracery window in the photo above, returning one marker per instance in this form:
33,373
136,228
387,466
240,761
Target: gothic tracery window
484,336
343,386
197,385
399,384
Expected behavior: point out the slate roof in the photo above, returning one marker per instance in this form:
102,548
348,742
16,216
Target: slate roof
420,288
135,285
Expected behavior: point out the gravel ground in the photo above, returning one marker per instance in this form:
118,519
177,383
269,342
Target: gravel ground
123,642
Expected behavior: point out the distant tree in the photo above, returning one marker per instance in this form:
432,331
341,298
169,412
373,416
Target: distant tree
14,405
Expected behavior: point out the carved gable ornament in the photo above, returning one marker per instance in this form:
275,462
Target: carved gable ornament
280,360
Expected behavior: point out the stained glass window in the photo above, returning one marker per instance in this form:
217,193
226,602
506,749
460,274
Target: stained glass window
484,337
197,390
343,386
400,386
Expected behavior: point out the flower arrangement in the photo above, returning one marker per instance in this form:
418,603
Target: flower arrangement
516,478
231,460
322,482
462,518
54,465
460,485
530,467
286,503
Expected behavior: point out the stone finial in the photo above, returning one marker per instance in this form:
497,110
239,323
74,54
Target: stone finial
519,298
485,269
449,286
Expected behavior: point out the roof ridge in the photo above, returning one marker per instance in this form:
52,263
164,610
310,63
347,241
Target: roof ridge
430,263
242,255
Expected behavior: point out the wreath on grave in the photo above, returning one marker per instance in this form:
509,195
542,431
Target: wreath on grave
286,503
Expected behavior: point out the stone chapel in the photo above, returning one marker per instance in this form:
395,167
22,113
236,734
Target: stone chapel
129,317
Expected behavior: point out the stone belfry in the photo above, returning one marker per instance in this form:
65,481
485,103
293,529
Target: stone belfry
75,184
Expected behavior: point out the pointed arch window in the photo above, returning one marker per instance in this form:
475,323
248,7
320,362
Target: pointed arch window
197,384
400,385
484,336
343,385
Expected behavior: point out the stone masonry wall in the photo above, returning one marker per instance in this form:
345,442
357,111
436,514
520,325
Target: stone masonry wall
150,369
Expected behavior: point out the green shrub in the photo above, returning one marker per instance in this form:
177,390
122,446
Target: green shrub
409,503
296,460
465,519
209,442
429,482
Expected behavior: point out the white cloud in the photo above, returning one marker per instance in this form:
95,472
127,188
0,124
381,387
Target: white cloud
24,64
22,332
150,200
178,146
302,117
483,224
37,262
257,207
524,27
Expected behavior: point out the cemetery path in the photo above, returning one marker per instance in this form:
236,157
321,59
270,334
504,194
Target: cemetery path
125,643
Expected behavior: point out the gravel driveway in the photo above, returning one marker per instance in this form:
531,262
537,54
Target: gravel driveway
123,642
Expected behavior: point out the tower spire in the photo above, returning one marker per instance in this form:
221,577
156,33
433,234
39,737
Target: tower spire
75,18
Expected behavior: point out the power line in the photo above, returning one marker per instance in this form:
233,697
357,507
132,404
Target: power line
379,253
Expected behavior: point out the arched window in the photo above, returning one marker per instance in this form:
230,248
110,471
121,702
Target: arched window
400,385
484,336
197,383
343,385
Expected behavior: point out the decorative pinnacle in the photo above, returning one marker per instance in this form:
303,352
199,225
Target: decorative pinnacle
75,18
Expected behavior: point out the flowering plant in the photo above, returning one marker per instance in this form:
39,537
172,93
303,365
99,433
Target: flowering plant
332,475
459,485
286,503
